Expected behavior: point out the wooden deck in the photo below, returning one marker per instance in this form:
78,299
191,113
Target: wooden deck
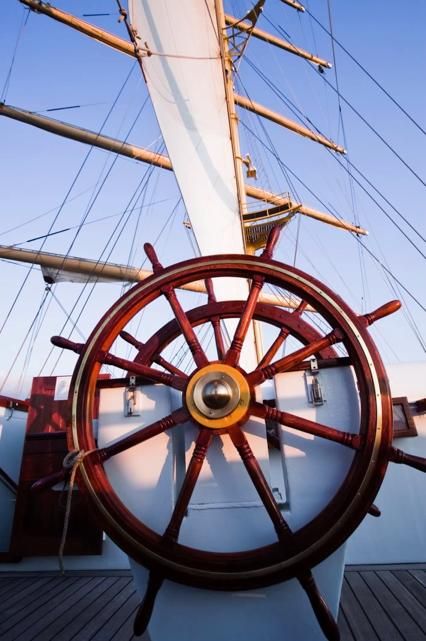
378,604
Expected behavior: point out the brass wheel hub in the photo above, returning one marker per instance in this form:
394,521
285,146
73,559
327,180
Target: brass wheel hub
217,396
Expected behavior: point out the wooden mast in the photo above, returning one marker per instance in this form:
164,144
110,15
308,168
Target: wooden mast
55,266
126,47
159,160
260,110
232,115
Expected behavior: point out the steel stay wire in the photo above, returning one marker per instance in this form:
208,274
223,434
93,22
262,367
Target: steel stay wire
25,18
74,181
141,185
89,208
363,119
281,163
376,82
30,328
301,117
375,258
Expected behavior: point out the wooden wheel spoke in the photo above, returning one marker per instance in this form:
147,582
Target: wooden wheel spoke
168,366
254,470
171,533
284,332
215,321
156,358
218,337
194,345
285,535
233,355
144,613
352,441
175,418
234,352
381,312
187,330
269,355
322,611
172,380
194,468
261,374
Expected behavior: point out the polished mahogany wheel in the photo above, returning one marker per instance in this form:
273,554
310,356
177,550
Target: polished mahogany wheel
218,396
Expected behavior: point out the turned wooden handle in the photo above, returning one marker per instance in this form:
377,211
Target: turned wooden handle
388,308
373,510
65,343
144,613
322,611
49,481
153,258
272,241
131,339
210,290
398,456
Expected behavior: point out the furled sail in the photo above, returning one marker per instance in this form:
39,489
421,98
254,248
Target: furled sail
185,80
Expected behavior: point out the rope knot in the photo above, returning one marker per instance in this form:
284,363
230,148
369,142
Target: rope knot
71,462
75,457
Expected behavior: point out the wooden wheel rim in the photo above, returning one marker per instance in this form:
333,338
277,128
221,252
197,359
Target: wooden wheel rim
327,530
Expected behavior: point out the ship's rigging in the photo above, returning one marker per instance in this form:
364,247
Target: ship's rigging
211,361
257,137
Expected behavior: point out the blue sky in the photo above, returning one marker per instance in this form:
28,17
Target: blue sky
56,67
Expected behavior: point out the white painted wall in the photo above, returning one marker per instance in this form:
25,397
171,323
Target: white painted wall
12,434
225,515
399,535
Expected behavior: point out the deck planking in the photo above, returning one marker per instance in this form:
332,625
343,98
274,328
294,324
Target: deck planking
378,604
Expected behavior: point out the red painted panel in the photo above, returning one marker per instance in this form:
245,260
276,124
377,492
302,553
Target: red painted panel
39,516
13,403
45,414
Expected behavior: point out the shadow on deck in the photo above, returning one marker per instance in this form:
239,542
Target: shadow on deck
378,604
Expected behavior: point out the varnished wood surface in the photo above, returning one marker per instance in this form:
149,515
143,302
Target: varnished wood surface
379,603
384,604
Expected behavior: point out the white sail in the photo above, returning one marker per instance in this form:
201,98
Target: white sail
186,83
185,80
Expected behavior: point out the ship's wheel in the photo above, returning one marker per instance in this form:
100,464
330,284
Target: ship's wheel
218,397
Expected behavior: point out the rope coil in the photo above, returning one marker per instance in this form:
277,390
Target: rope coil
72,461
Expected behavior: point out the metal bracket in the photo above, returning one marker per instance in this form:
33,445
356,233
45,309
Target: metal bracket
314,389
237,37
131,398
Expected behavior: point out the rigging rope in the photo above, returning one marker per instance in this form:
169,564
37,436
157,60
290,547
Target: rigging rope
326,207
141,185
363,119
49,211
302,117
74,181
32,324
24,21
85,224
290,183
367,73
286,170
72,462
